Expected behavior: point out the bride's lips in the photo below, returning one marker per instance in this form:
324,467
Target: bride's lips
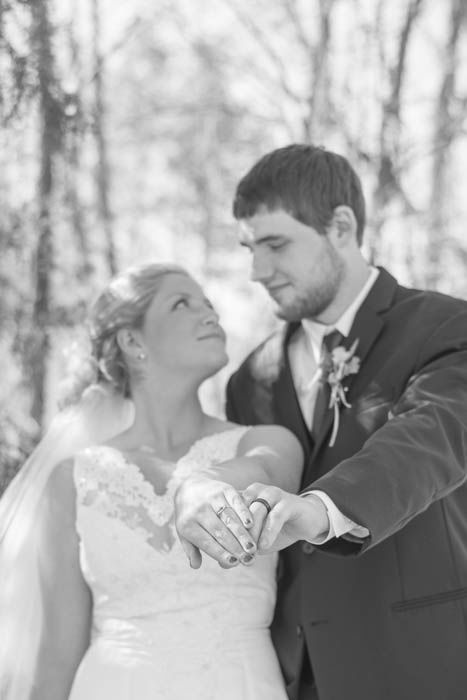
218,333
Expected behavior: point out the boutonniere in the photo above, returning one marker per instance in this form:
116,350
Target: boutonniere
337,365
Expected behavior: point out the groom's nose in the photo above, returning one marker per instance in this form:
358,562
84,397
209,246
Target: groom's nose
262,269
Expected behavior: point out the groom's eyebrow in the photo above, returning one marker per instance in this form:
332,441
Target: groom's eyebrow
267,238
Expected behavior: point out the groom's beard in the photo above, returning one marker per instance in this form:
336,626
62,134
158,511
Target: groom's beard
311,303
300,308
309,299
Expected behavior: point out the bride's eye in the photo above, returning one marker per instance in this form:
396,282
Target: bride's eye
180,303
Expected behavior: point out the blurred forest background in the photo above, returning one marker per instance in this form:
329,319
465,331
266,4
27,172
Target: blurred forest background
125,127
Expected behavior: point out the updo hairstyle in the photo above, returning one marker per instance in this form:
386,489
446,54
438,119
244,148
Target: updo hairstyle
123,304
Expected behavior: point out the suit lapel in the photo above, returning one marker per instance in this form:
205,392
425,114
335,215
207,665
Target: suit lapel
366,328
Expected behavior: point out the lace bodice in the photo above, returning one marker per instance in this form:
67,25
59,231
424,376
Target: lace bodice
130,554
161,629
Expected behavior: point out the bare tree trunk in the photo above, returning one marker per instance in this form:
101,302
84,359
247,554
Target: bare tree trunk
50,127
102,170
316,120
2,10
444,134
74,143
388,185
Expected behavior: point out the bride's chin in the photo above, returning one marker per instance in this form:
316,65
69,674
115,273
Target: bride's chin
217,364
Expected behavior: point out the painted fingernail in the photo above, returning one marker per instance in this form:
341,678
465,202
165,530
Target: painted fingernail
233,560
248,521
246,558
250,545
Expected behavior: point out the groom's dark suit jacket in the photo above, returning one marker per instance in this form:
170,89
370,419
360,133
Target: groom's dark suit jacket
386,618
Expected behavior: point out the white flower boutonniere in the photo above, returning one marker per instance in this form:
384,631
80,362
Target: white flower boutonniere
337,365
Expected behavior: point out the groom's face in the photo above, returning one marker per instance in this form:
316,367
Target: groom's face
299,267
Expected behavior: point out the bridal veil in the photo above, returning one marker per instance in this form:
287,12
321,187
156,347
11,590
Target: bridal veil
100,414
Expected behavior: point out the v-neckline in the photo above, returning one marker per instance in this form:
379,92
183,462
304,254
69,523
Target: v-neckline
177,464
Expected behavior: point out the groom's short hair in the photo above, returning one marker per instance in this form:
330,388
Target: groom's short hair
307,181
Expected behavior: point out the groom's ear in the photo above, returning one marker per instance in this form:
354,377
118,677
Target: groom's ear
343,226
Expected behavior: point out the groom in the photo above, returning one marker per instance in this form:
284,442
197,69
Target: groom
372,378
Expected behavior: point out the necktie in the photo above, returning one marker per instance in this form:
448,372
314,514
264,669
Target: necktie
330,341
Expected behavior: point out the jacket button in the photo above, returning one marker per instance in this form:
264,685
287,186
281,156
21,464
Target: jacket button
299,631
308,548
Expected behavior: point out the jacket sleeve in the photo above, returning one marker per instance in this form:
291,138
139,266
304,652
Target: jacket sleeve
417,457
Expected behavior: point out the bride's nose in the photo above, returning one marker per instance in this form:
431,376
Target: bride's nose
211,318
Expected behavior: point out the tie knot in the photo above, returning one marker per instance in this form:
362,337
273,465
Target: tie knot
332,340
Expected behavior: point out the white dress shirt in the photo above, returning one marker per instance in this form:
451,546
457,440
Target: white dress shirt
305,351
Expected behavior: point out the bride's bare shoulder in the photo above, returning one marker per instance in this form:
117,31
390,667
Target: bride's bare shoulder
56,512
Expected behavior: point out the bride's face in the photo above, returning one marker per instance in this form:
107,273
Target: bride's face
181,328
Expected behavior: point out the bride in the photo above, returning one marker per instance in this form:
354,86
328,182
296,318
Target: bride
97,600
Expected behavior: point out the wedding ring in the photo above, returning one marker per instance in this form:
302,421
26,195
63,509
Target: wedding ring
264,502
220,510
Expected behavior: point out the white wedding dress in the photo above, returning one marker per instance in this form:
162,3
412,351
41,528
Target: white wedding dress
161,630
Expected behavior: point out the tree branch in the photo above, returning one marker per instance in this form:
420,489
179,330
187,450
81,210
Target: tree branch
262,39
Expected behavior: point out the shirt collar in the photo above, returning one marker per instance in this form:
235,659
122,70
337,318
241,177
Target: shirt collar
315,332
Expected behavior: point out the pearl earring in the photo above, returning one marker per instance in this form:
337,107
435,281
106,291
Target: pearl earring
141,356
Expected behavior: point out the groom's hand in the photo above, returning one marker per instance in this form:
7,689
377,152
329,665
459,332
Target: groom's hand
291,518
212,517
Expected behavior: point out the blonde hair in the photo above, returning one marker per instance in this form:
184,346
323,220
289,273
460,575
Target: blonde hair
122,304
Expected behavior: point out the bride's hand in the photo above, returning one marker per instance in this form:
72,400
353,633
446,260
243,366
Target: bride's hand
259,514
211,517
